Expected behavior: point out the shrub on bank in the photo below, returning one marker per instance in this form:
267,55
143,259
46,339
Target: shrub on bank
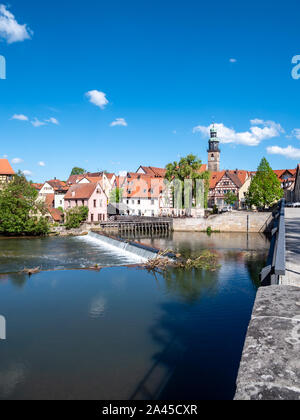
76,216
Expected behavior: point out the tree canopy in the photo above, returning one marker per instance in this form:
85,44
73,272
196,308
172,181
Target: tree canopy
265,188
78,171
20,214
230,198
188,168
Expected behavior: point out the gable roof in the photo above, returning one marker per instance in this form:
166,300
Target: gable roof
5,168
238,177
57,185
81,191
153,171
281,172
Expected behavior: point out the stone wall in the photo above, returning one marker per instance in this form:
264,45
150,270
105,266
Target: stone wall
235,221
269,368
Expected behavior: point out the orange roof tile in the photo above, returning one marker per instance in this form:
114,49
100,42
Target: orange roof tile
81,191
56,214
5,168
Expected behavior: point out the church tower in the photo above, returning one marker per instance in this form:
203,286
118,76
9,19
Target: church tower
213,151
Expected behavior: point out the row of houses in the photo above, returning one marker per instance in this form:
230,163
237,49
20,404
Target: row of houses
144,192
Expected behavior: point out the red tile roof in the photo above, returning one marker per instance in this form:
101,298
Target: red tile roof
239,177
153,171
49,200
81,191
5,168
37,186
281,172
143,186
56,214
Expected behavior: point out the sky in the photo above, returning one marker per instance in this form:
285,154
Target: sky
113,84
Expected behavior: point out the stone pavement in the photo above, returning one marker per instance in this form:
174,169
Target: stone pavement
270,365
292,225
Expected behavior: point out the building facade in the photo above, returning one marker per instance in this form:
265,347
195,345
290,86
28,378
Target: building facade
90,195
224,182
296,195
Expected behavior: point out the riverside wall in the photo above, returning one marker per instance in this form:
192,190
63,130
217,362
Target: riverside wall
235,221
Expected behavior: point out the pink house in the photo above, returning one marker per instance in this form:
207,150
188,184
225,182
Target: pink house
90,195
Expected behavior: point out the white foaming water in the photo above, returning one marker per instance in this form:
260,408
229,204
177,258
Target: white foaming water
127,256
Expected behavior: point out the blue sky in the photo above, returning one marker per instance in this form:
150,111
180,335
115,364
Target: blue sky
167,69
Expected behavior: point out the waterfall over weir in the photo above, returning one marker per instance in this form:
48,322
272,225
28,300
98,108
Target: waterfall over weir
133,249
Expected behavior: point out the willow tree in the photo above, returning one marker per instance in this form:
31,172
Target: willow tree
185,176
265,188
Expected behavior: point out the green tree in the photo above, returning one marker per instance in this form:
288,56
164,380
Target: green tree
20,213
230,198
116,195
188,168
265,188
76,216
78,171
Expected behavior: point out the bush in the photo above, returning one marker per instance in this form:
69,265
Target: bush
76,216
20,213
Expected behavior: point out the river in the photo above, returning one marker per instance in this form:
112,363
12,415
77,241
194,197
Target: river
123,332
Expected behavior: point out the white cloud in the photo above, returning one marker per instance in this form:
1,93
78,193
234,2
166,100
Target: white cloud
296,133
37,123
233,60
119,121
5,156
10,30
16,161
42,163
52,121
289,152
27,173
20,117
252,137
97,98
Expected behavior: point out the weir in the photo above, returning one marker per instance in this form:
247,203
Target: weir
144,252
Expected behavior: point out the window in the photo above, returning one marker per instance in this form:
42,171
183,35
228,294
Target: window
152,202
139,201
95,203
92,217
132,201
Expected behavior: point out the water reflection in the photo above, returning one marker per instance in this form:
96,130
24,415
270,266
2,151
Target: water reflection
126,333
98,307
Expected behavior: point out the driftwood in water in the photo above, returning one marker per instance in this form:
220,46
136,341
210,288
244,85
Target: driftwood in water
206,261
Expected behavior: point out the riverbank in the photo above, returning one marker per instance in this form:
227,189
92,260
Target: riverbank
235,221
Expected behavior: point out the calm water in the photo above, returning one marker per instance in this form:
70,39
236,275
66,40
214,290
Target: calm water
124,333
